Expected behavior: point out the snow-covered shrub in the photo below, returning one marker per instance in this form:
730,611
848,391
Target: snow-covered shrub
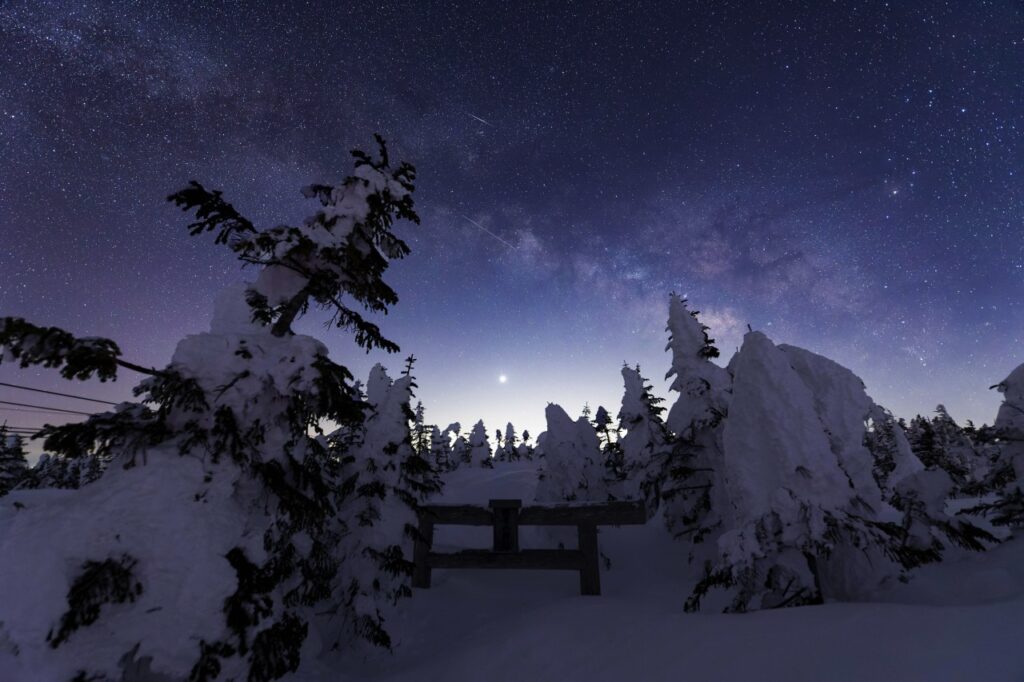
242,519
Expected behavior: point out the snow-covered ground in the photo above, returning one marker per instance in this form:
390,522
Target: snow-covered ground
958,620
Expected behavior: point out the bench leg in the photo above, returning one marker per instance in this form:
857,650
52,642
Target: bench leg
590,576
421,554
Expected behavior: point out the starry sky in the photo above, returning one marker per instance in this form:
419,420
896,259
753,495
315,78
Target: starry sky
844,176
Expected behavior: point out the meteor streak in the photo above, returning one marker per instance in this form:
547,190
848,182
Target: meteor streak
480,119
485,230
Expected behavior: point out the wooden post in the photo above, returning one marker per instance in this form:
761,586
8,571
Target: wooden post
421,552
506,524
590,576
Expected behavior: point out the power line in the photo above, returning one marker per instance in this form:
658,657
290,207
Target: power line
46,409
23,410
64,395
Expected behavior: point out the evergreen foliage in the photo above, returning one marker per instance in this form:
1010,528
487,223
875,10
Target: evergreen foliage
110,581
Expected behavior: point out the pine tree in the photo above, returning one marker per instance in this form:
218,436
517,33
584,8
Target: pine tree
13,465
246,397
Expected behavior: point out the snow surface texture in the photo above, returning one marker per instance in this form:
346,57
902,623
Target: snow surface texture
958,621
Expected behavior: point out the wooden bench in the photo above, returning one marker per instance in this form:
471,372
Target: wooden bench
505,516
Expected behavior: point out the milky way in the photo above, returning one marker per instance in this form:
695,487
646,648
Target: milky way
846,178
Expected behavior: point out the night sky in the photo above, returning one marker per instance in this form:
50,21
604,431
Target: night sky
846,177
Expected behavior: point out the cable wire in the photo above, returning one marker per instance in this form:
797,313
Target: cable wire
63,395
46,409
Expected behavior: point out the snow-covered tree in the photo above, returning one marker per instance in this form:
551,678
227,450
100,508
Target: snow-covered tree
420,430
941,442
789,497
393,479
479,451
807,519
892,456
440,450
701,384
461,453
608,436
507,450
682,478
572,468
1007,476
13,465
247,486
646,444
525,450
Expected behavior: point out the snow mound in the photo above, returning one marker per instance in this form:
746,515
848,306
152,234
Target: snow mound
171,517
